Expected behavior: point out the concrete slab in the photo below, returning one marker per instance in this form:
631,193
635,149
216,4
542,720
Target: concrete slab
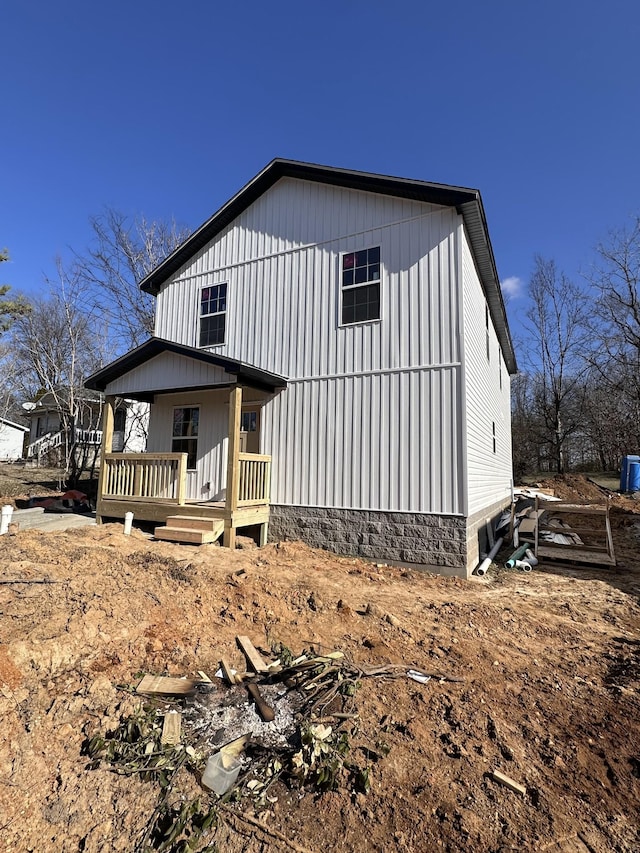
36,518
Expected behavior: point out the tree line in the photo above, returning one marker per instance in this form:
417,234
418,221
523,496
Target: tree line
576,400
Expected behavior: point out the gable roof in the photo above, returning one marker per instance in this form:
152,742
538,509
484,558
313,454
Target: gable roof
245,374
467,202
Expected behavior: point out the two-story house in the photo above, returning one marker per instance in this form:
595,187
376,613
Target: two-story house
331,358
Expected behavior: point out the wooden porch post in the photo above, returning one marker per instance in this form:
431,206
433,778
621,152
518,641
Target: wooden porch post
233,466
106,447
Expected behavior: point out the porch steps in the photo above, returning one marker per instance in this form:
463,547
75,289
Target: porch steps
190,529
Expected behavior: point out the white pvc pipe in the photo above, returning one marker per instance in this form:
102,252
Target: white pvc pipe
484,565
531,557
5,519
523,565
128,521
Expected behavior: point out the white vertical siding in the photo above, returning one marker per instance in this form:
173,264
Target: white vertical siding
284,283
382,441
168,371
485,403
212,439
371,416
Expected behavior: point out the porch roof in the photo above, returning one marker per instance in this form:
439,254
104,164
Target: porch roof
156,381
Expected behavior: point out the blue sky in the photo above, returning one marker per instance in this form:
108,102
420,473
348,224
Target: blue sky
166,109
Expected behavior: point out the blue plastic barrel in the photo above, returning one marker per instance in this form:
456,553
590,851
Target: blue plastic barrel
625,474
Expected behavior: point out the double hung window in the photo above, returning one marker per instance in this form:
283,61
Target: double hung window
361,286
213,314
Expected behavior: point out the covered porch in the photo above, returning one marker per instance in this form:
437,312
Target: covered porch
197,477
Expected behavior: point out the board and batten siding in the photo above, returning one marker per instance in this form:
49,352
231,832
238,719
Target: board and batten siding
167,371
488,474
208,481
370,417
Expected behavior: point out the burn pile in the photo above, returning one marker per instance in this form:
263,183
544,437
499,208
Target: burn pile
283,725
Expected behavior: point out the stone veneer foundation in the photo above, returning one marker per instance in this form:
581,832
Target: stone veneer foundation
438,542
399,537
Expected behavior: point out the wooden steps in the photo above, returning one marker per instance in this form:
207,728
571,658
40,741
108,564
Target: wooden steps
190,529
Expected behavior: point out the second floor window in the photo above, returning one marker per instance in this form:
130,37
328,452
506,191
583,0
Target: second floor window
213,315
361,286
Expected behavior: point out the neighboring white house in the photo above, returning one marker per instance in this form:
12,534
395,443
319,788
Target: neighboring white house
363,316
46,438
11,440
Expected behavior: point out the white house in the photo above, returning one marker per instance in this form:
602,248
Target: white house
344,334
12,437
46,435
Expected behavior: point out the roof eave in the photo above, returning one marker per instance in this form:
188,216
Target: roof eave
246,374
443,194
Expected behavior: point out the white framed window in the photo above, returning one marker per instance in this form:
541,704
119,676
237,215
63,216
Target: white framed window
213,315
360,285
184,437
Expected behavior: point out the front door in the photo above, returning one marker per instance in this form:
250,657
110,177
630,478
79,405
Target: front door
250,430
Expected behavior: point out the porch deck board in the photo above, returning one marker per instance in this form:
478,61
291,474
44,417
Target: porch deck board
159,511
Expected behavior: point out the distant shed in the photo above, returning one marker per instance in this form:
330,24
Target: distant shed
12,438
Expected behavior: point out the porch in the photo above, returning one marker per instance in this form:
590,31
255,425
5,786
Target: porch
208,475
154,486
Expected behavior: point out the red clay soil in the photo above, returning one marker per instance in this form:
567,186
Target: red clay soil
548,692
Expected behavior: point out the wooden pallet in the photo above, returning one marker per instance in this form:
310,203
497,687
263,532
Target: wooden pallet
594,543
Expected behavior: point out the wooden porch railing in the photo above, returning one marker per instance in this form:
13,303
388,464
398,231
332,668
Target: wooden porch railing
145,477
254,485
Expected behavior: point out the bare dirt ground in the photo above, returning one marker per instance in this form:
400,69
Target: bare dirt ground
548,692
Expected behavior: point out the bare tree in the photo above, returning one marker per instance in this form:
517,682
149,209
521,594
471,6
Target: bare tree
616,277
123,252
557,334
56,348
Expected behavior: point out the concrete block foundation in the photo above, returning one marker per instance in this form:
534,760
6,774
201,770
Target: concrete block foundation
441,543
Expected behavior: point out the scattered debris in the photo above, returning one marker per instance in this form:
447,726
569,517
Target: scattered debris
164,686
171,728
497,776
416,675
252,655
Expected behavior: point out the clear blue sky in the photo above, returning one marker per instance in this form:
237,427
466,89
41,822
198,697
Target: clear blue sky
166,109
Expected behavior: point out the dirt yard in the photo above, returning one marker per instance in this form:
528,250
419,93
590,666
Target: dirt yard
535,675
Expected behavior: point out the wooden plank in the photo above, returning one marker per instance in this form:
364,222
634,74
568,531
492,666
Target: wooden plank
180,534
192,522
497,776
575,509
164,686
229,676
171,726
576,555
254,457
255,660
